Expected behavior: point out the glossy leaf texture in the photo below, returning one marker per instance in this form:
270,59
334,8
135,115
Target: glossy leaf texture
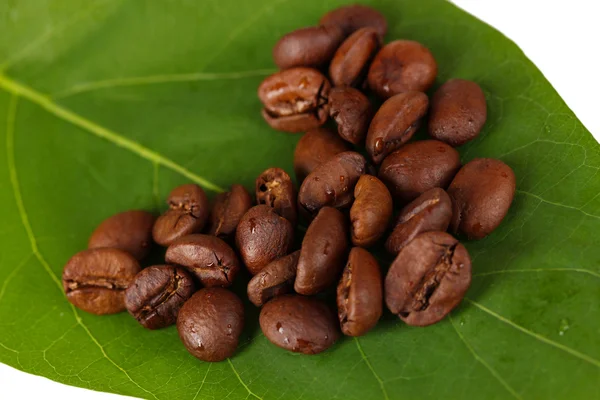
106,105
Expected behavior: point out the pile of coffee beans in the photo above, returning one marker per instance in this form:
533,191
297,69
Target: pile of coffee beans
363,184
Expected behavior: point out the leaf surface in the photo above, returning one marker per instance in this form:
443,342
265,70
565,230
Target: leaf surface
107,105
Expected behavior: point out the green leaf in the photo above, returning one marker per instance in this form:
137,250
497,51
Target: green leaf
106,105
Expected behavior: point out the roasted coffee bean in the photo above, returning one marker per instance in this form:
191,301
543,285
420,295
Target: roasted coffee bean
308,47
95,280
352,112
402,66
210,324
417,167
371,211
323,253
314,148
350,64
359,293
481,194
130,231
156,295
228,210
395,123
187,213
428,278
299,324
263,236
353,17
332,183
458,112
431,211
275,188
209,258
295,100
275,279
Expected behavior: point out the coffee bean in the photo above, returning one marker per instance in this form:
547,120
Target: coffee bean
263,236
350,64
431,211
274,188
276,279
323,252
371,211
299,324
130,231
187,213
314,148
209,258
353,17
402,66
417,167
295,100
156,295
352,112
428,278
359,293
228,210
481,194
210,324
307,47
395,123
458,112
95,280
332,183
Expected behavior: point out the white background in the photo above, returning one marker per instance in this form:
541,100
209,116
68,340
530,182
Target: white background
560,37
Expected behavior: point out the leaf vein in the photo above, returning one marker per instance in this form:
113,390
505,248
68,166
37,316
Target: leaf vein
368,363
32,241
95,129
250,392
507,271
480,359
535,335
535,196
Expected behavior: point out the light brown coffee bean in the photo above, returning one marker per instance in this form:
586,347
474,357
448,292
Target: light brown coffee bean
481,194
371,211
458,112
395,123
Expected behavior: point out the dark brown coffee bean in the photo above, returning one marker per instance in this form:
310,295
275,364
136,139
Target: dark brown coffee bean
371,211
299,324
130,231
350,64
323,252
276,279
95,280
431,211
402,66
417,167
263,236
481,194
228,210
187,213
352,113
209,258
295,100
314,148
210,324
332,183
353,17
458,112
313,46
395,123
359,293
156,295
428,278
275,188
